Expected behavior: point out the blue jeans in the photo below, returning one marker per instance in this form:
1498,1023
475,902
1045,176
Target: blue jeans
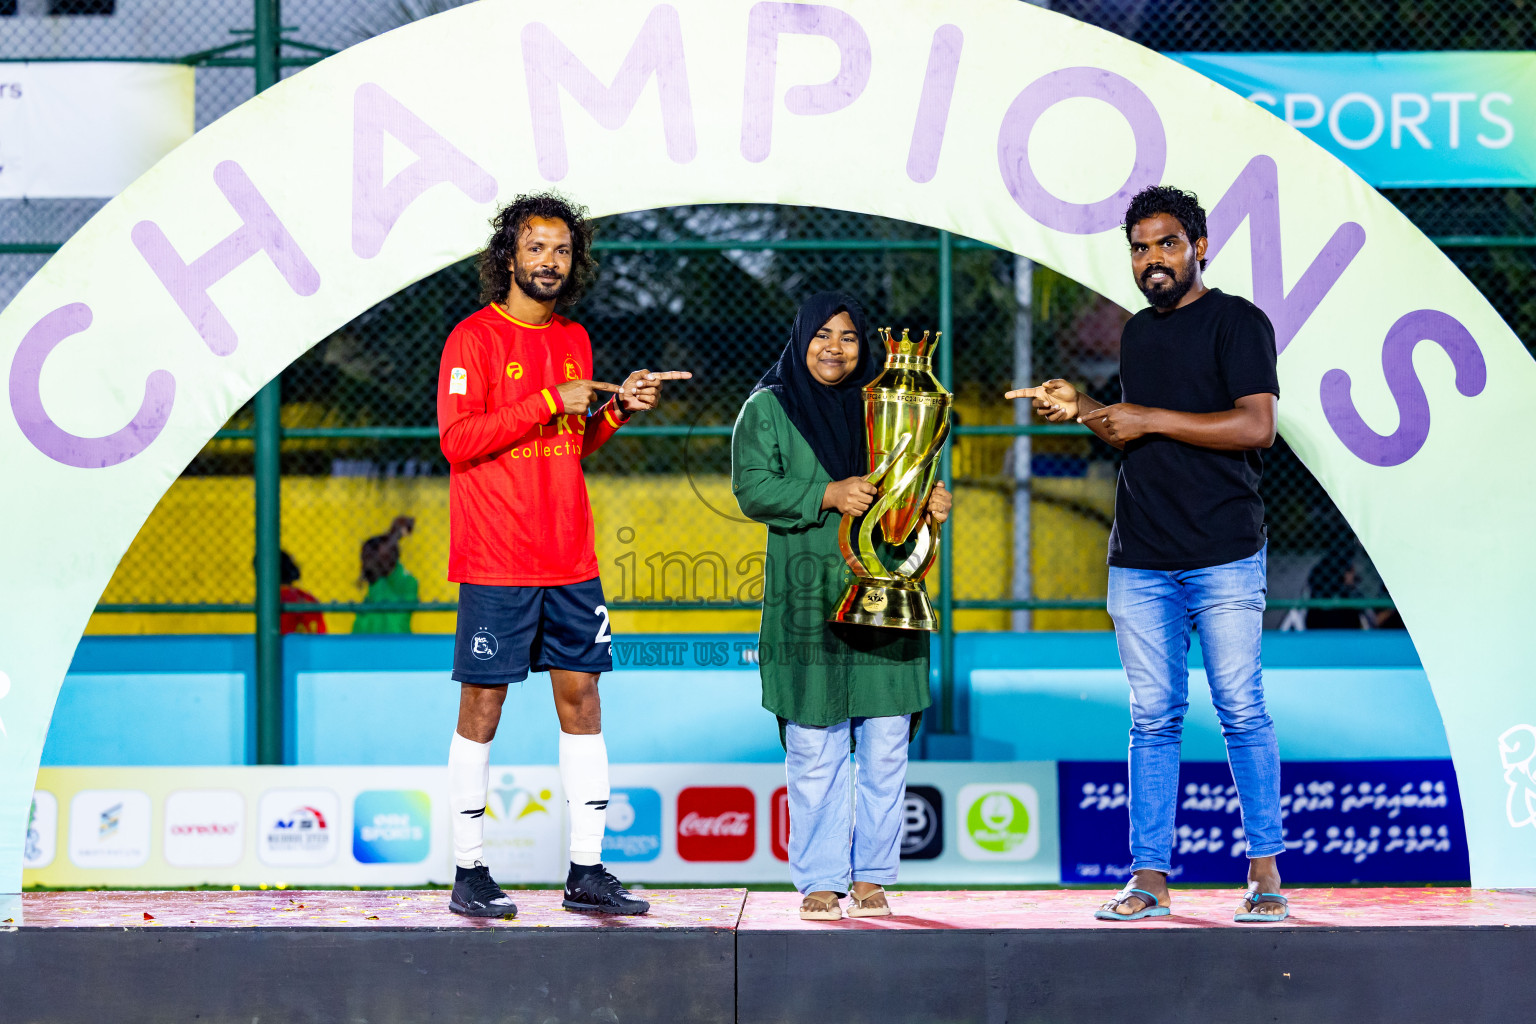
1153,612
846,825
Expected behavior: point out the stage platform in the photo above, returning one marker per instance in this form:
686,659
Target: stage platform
715,955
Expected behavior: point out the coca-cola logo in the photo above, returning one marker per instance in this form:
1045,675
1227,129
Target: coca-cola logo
731,823
716,823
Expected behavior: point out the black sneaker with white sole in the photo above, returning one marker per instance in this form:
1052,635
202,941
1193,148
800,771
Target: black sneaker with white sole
476,894
594,889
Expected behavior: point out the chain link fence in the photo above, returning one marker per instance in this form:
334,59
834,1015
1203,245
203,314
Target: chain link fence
713,289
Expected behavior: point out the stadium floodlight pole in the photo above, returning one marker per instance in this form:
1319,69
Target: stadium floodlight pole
946,467
268,472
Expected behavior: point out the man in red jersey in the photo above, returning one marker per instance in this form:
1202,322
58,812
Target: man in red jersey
515,399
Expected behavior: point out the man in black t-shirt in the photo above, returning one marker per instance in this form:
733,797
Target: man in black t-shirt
1199,392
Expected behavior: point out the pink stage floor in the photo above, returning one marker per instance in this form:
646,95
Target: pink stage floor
389,909
1192,908
768,911
1412,956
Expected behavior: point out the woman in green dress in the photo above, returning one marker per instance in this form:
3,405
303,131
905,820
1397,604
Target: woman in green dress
798,459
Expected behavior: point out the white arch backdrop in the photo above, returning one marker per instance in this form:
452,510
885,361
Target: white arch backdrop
990,118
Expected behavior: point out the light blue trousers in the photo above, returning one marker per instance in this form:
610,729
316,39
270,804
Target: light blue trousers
845,822
1153,613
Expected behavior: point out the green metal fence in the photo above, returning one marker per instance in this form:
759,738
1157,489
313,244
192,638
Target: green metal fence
348,432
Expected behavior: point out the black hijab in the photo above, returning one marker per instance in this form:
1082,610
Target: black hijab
830,418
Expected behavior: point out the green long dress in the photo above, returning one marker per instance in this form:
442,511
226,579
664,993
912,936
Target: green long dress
813,673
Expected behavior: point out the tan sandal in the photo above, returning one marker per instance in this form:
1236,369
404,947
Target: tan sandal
872,905
821,908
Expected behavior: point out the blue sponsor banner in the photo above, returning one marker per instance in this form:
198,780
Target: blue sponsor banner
633,832
1398,119
1345,821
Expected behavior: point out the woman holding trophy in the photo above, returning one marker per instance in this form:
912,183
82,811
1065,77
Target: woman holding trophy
801,464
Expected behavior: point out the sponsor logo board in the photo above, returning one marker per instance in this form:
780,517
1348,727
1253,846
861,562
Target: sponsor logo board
716,823
633,832
109,828
998,821
204,828
391,826
40,845
1342,821
779,823
922,823
524,837
297,827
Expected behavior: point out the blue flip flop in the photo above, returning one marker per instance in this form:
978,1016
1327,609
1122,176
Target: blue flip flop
1108,913
1252,900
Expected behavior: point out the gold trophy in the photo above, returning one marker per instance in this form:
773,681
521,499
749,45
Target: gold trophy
906,416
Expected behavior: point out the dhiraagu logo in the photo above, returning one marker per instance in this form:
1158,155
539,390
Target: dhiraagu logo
392,826
634,825
998,821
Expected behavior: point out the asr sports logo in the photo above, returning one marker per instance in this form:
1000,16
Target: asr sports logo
515,371
1517,749
998,821
572,371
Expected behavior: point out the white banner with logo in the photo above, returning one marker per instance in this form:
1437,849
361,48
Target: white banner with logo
667,823
73,129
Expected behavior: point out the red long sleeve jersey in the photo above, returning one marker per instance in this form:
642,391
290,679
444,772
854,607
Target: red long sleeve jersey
518,512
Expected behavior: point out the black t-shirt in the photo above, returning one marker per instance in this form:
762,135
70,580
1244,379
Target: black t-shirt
1179,506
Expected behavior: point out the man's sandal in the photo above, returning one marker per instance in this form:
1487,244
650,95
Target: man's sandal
871,905
1253,900
819,908
1108,912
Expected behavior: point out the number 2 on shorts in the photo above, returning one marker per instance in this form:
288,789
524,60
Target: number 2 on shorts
603,636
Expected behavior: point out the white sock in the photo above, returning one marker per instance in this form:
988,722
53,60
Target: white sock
469,776
584,774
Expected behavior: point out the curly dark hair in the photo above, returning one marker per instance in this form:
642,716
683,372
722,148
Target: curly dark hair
1182,206
494,262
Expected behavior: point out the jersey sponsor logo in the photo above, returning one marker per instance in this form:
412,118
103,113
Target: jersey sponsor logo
458,381
533,449
572,371
515,371
483,645
716,823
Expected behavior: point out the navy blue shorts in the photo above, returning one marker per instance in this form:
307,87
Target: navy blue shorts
506,632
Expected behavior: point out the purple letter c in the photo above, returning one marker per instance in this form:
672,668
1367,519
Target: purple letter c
1047,91
54,441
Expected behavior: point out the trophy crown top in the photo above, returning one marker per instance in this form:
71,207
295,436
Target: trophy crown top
906,345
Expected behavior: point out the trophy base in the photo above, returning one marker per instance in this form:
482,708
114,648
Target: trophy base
894,604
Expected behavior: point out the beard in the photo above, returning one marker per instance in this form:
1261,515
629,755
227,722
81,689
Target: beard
540,289
1168,293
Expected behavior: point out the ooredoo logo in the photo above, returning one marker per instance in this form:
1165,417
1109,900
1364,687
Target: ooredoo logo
204,828
716,823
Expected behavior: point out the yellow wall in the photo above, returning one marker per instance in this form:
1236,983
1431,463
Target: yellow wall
658,537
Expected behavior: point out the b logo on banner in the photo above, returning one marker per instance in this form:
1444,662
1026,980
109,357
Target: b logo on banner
922,823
